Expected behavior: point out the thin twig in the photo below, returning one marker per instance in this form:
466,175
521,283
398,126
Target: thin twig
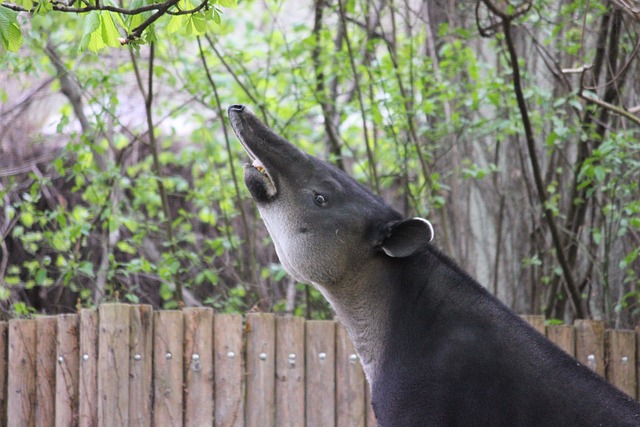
327,104
613,108
236,186
356,78
153,144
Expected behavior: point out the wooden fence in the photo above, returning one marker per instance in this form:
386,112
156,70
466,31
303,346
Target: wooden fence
126,365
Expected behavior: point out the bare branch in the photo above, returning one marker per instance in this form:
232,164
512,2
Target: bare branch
613,108
628,7
61,7
356,78
572,290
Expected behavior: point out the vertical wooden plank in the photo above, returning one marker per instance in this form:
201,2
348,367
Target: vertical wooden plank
621,360
140,365
46,370
113,365
320,365
88,370
289,371
260,356
637,331
228,370
168,327
371,416
590,344
21,384
350,383
67,368
198,366
4,327
535,320
563,336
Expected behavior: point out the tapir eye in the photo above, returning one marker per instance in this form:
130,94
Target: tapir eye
320,200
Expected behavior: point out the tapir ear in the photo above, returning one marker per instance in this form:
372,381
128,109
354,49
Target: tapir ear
406,237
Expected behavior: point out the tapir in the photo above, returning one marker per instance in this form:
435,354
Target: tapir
436,347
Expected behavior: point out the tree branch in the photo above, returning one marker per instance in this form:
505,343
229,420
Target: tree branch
159,8
356,78
506,19
62,7
326,103
245,222
153,144
613,108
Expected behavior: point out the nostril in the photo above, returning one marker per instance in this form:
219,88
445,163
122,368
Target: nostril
236,107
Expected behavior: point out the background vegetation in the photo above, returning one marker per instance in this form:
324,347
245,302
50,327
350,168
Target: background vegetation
513,127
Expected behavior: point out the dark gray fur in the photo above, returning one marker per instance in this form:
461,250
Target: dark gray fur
437,348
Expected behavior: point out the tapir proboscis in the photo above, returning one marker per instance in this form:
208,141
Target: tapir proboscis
436,347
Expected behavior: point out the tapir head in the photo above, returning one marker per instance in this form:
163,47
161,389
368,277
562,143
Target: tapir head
324,224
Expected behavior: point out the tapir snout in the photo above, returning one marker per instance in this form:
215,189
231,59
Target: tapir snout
269,152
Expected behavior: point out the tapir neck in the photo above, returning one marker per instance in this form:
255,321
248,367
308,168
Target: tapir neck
363,305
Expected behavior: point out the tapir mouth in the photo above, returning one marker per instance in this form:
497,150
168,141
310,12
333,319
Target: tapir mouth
251,133
257,174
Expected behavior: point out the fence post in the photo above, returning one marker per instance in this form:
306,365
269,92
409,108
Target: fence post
88,370
289,371
260,356
3,371
21,384
536,321
321,373
140,365
621,360
228,370
168,331
46,370
637,367
350,383
67,370
113,365
563,336
198,366
590,344
371,416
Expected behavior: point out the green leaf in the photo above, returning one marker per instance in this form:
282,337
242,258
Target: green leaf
99,32
176,23
10,35
89,38
198,23
630,258
600,173
132,298
228,3
207,215
43,8
27,219
41,275
86,268
109,33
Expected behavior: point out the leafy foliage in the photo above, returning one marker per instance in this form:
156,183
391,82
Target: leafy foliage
146,191
105,22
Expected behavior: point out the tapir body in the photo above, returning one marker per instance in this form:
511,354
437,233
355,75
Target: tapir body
437,348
